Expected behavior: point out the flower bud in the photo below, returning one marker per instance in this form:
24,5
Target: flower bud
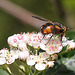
54,56
50,64
71,46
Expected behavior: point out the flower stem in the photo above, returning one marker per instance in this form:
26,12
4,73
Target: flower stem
38,73
44,72
19,68
35,72
6,68
30,70
27,68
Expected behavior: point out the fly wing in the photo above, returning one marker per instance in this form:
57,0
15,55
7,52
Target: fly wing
42,19
39,18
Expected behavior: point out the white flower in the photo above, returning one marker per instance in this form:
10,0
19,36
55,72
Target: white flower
15,39
34,40
40,66
50,64
71,45
8,58
26,37
23,55
43,46
3,52
30,60
54,46
53,49
22,46
15,53
65,43
38,60
44,55
2,61
64,39
12,40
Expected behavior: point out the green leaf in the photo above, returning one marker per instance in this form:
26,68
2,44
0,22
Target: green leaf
71,34
69,63
64,66
3,72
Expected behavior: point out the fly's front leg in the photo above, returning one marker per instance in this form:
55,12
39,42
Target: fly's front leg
42,38
49,39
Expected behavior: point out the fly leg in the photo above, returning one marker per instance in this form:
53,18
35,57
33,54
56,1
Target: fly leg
42,38
60,37
49,39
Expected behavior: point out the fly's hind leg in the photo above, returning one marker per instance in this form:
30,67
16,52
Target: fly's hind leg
60,37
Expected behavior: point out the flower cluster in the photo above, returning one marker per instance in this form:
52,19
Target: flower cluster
44,51
7,57
42,60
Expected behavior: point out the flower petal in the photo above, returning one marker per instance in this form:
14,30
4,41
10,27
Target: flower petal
40,66
2,61
30,60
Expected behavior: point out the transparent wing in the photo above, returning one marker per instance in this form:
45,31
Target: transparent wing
42,19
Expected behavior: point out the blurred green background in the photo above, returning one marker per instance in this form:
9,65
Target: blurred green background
62,11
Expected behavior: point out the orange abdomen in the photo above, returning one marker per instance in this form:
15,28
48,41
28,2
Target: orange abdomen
47,30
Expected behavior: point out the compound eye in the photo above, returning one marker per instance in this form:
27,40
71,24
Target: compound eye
41,27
